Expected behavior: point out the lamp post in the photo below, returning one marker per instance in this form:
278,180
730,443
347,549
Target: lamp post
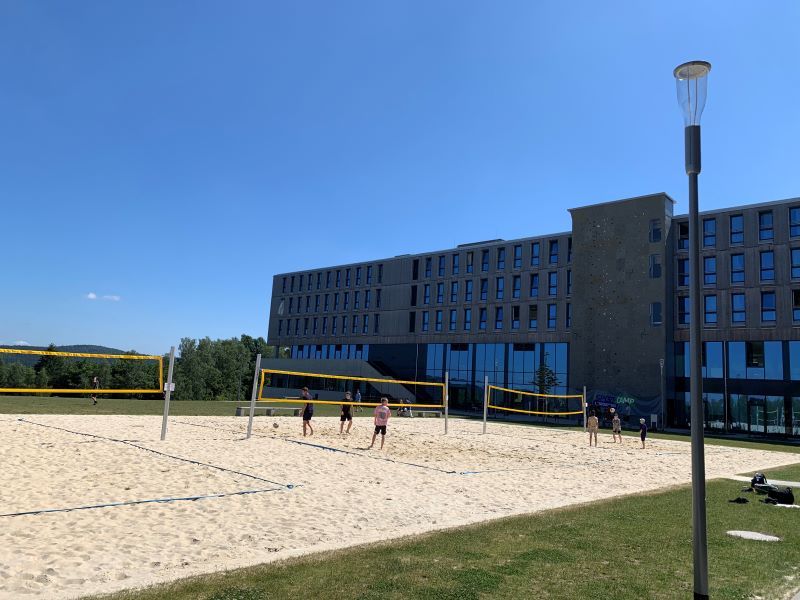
691,79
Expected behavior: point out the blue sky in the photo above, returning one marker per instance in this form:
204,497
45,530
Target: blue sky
170,157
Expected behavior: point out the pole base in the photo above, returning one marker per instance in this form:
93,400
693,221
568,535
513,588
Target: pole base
699,596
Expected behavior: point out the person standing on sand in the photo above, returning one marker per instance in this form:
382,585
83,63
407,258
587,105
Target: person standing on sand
308,411
358,399
346,414
642,431
616,427
382,414
592,425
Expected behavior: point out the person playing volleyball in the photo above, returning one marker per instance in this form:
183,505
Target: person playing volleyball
592,425
346,414
382,414
642,431
616,427
308,411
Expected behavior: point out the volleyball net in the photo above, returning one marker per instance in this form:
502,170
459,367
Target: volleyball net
279,386
532,403
54,372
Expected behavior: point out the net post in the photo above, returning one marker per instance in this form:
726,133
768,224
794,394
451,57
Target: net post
446,398
168,393
583,400
253,396
485,400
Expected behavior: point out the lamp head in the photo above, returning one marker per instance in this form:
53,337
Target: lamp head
691,79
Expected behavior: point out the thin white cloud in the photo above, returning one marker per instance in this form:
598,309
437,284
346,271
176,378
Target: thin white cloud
112,298
91,296
21,343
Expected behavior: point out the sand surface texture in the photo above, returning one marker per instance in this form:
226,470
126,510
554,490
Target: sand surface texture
304,498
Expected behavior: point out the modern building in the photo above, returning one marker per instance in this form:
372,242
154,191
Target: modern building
604,306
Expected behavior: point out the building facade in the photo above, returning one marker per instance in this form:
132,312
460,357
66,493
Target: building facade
604,306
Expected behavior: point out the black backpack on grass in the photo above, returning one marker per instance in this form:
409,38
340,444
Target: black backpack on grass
780,495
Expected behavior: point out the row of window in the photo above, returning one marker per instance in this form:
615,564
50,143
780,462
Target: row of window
766,229
738,308
335,277
500,258
323,301
483,289
483,316
766,264
355,324
745,360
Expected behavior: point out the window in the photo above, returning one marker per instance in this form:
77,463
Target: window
516,286
291,302
333,325
569,315
453,291
291,287
655,230
737,268
426,293
765,226
569,282
358,275
710,310
656,317
683,310
319,280
484,260
376,324
347,276
378,298
467,319
300,283
683,272
768,310
428,266
534,254
356,300
737,230
365,325
709,233
469,262
367,298
501,259
284,286
413,295
324,325
441,265
551,316
518,256
683,236
533,316
415,270
569,250
344,325
369,275
297,326
515,317
308,286
314,326
412,322
534,285
453,318
737,308
484,289
355,324
500,284
553,252
498,317
794,221
280,327
795,305
316,303
552,283
327,279
768,266
438,320
455,265
468,291
380,273
709,270
327,304
482,319
795,263
338,278
425,320
308,304
439,293
305,326
655,266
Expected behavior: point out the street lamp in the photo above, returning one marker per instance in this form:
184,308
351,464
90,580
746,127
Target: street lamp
691,79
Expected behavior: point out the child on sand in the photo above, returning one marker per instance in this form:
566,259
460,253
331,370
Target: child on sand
642,431
308,411
382,414
346,414
592,425
616,427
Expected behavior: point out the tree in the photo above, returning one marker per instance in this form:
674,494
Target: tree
545,381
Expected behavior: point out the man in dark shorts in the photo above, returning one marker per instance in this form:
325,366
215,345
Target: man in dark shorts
96,386
642,431
347,414
382,414
308,411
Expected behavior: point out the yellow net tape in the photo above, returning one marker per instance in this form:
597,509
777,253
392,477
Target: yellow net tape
294,400
156,357
533,412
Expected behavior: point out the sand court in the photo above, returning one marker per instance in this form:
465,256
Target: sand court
308,494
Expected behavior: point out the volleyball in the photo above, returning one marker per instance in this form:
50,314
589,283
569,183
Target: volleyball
611,410
275,425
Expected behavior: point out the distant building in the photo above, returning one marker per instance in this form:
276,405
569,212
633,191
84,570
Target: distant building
602,306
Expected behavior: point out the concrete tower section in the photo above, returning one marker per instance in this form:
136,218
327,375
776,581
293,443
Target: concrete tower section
621,307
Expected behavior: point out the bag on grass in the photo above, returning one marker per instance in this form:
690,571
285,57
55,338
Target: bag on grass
781,495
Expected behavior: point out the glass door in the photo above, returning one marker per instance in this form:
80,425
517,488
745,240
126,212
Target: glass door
756,415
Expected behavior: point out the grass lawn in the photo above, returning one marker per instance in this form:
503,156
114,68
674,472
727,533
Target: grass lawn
39,405
634,547
790,473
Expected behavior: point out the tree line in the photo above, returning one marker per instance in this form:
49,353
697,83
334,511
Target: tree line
204,369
